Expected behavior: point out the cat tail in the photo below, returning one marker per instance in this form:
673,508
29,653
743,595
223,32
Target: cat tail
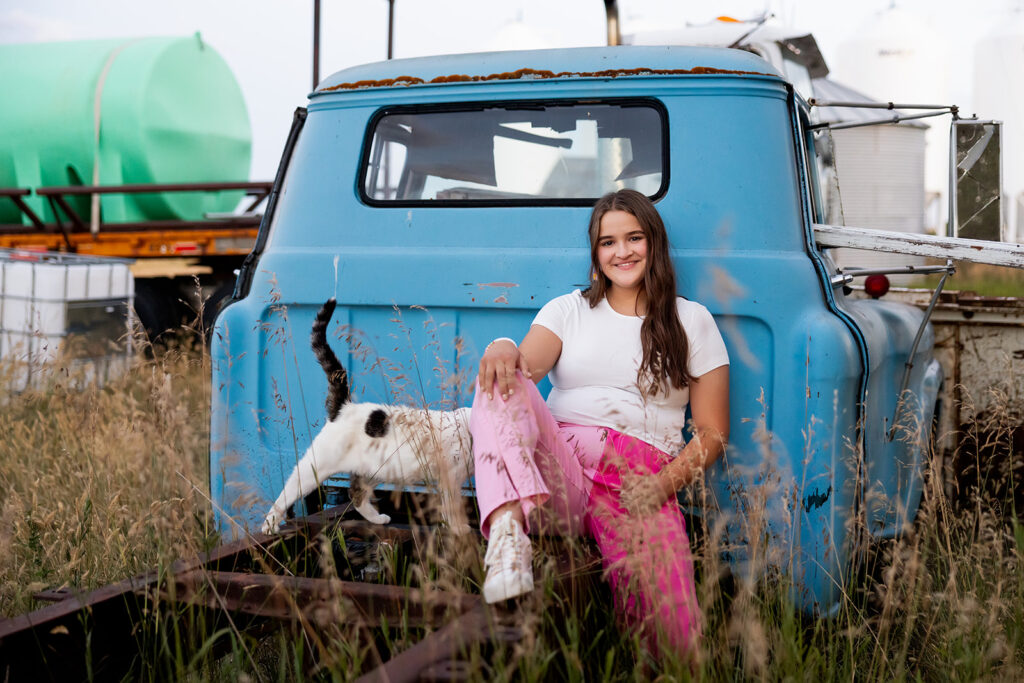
337,378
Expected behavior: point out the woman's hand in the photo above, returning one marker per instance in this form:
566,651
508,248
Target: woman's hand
499,364
645,494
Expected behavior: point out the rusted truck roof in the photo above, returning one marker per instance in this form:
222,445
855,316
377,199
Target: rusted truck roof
588,62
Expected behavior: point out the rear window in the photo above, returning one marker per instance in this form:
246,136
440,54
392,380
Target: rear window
521,153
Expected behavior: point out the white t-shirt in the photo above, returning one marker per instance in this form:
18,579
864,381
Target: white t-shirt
594,381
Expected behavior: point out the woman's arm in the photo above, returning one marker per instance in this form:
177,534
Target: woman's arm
709,406
535,356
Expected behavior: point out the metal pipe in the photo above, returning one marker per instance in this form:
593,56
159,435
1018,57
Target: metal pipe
876,122
898,270
951,191
758,23
25,209
814,102
391,29
845,277
316,43
611,10
900,402
250,187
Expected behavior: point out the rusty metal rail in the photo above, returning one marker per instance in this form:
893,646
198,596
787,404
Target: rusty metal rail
16,194
67,220
94,635
66,229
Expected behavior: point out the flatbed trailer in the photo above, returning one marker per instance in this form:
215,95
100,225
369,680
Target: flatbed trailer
172,255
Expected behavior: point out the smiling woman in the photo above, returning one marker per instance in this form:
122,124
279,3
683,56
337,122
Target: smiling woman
622,254
604,455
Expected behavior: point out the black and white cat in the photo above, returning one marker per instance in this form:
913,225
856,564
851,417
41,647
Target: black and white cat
375,442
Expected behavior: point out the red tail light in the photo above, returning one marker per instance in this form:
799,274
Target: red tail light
876,285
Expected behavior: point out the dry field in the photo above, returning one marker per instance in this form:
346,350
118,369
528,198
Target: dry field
102,483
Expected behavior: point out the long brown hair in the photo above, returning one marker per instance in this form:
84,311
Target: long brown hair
662,337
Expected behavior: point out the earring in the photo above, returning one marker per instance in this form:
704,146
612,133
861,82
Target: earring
593,277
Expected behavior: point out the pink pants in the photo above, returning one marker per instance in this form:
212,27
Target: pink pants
570,474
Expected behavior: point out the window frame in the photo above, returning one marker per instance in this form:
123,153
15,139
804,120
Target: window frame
479,105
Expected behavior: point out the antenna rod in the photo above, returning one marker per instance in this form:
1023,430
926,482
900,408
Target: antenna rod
316,43
391,28
611,10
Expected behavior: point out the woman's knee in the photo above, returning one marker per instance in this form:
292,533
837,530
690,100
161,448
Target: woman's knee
519,405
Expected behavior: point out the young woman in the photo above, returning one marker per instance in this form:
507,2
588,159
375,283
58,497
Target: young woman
604,456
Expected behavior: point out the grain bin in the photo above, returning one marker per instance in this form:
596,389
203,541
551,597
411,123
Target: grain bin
881,175
897,56
111,112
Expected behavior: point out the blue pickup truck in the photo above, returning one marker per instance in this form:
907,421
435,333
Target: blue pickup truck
443,200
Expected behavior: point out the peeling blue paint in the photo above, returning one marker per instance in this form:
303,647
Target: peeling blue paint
816,499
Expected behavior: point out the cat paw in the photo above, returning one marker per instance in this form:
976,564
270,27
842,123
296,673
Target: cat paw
272,524
371,515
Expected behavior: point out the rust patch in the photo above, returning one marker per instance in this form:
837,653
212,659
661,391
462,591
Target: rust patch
400,80
501,299
520,74
504,285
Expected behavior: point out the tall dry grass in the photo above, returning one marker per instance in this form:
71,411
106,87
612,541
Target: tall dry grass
102,483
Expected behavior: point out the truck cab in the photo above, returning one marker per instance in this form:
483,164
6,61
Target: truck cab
443,200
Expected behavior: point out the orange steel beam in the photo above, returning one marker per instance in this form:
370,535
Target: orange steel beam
141,244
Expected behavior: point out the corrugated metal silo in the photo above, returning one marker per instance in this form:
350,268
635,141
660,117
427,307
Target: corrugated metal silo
896,56
880,172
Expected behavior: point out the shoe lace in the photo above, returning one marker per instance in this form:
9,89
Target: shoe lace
503,544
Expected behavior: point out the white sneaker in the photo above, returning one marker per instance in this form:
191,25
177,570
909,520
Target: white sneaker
508,561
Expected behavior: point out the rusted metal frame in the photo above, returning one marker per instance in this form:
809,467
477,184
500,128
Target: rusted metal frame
258,197
252,187
446,644
69,606
176,225
56,217
53,595
437,655
58,639
37,222
241,222
71,214
15,195
285,598
198,582
56,197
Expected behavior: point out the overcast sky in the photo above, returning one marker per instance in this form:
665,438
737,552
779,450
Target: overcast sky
268,43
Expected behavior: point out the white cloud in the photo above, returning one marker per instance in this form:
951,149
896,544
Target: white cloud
20,26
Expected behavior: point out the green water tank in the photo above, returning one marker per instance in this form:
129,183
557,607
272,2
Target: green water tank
169,111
